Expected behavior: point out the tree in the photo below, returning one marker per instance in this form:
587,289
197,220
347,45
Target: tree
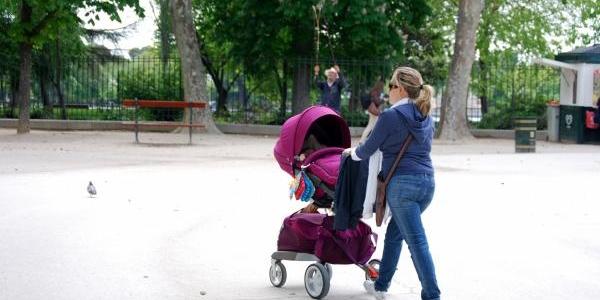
39,21
522,29
274,39
216,50
453,121
193,72
164,30
370,30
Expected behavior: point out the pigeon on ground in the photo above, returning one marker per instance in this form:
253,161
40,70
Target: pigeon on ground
91,189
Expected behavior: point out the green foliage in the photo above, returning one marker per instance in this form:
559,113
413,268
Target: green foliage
51,17
5,112
515,30
498,117
164,29
154,82
502,114
536,28
347,28
355,118
260,34
9,54
513,89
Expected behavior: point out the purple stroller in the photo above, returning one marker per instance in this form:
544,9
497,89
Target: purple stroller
313,141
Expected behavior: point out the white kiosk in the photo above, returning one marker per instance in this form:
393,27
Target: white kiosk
579,92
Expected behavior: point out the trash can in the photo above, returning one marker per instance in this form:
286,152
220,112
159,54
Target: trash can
572,123
553,116
525,134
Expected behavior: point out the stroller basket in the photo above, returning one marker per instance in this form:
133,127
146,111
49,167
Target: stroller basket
310,237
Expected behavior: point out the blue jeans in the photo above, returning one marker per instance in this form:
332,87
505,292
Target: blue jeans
408,196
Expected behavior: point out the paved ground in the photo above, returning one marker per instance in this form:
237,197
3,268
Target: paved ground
200,222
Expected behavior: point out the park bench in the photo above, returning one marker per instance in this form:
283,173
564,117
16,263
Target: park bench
137,104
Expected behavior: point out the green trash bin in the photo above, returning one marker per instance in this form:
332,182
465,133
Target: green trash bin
572,124
525,134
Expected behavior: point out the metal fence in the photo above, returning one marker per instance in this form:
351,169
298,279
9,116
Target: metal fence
93,89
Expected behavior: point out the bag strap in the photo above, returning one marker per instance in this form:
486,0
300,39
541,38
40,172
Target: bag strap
398,158
343,247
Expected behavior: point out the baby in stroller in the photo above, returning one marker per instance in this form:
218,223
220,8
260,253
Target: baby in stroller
311,144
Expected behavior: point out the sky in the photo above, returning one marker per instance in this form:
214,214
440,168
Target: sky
141,35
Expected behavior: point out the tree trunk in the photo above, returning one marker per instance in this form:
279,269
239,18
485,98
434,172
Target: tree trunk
453,121
217,75
192,69
301,88
164,30
222,95
25,74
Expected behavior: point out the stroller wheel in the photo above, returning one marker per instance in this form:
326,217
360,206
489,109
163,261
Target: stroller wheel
277,274
316,281
329,270
372,271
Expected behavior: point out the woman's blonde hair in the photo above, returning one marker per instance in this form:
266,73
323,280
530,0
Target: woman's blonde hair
411,80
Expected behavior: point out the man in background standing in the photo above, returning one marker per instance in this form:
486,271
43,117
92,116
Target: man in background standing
331,89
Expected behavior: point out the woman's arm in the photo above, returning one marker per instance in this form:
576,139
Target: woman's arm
376,139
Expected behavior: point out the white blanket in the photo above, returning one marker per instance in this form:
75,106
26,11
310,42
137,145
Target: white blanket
371,191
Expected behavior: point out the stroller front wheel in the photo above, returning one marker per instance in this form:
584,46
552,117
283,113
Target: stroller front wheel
316,281
277,274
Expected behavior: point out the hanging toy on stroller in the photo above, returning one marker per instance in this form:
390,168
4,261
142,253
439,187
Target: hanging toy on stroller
309,149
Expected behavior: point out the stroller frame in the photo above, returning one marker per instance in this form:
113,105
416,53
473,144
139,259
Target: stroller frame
332,131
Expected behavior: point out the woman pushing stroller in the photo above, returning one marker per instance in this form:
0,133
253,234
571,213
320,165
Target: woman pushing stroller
412,186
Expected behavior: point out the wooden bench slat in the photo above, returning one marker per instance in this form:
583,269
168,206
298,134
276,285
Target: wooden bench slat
164,124
162,104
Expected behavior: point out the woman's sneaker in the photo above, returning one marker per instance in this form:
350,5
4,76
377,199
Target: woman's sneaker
370,287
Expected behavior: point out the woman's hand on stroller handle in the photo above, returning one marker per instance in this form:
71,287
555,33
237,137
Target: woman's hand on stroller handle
347,151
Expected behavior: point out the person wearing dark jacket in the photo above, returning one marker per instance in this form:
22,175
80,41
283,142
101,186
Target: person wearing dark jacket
411,189
331,89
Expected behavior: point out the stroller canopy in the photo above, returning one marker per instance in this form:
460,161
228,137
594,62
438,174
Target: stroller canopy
324,123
